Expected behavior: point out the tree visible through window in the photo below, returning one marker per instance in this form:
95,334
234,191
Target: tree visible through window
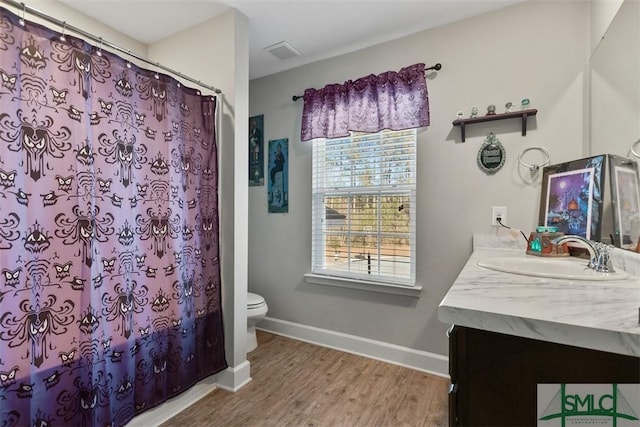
364,206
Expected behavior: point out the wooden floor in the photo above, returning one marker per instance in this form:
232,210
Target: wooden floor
300,384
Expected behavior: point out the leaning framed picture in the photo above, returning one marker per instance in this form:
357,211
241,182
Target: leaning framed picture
571,197
625,198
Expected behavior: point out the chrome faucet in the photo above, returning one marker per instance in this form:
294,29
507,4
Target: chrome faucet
599,261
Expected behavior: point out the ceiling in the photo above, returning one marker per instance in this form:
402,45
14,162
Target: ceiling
319,29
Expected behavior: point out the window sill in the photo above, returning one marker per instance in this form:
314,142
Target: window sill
364,285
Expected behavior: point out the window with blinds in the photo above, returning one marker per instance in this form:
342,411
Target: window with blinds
364,200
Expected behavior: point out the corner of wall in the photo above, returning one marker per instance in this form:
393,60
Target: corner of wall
233,379
602,13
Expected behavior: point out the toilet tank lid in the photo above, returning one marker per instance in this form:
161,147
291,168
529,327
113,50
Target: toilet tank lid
254,299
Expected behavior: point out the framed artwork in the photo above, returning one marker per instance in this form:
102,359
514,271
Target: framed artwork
625,198
256,151
571,197
278,176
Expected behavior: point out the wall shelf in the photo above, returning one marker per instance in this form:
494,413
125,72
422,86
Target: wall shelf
522,114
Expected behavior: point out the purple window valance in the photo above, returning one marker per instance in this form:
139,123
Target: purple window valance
391,100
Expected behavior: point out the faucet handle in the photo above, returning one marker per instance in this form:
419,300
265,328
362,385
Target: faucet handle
602,261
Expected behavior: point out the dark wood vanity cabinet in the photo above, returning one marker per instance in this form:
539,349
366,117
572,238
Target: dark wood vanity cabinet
494,376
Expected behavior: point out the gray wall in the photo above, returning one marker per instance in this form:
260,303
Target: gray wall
538,50
615,85
602,13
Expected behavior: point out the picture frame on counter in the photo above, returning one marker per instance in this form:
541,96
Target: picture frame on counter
625,198
572,197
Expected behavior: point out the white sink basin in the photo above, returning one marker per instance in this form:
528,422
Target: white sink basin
558,268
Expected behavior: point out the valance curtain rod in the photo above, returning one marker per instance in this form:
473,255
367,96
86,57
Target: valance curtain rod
101,41
436,67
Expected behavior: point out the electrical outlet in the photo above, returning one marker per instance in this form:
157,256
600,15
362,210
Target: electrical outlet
498,212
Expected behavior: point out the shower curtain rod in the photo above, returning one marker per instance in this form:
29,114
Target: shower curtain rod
436,67
101,41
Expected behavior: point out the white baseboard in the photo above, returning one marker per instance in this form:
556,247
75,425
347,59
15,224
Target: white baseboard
423,361
175,405
231,379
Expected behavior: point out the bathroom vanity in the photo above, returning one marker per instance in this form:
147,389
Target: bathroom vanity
513,332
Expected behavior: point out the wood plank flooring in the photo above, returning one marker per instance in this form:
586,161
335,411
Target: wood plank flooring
300,384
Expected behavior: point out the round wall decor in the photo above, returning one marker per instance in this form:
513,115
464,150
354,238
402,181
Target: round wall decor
491,156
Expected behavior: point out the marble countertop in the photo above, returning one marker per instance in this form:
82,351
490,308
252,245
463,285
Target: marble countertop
597,315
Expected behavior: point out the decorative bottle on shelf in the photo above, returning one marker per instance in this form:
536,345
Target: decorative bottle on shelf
508,106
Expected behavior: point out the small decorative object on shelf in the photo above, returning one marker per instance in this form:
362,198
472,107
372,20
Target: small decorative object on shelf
525,103
508,107
491,110
491,156
474,112
460,115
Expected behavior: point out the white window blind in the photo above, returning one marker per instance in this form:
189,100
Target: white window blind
364,192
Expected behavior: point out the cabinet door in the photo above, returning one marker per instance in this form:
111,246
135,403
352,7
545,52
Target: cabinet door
457,397
453,374
497,375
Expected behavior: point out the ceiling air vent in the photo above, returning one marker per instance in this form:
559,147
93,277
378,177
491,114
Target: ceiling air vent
282,50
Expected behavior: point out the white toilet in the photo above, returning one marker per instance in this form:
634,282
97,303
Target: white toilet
256,310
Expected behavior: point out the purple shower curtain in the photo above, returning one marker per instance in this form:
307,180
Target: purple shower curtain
109,261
